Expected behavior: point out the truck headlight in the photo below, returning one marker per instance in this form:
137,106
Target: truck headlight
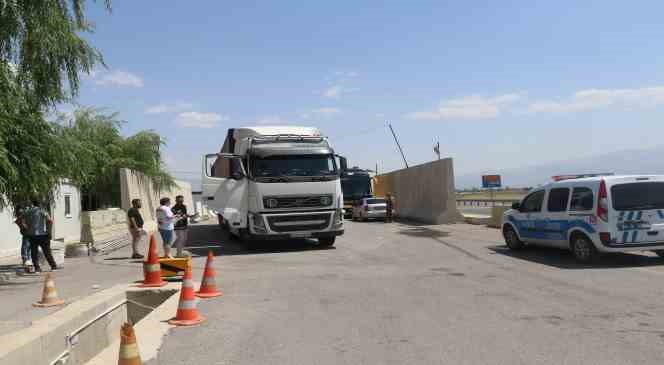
258,223
338,217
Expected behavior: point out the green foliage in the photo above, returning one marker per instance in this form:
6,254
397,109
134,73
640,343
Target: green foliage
43,39
33,157
42,54
100,150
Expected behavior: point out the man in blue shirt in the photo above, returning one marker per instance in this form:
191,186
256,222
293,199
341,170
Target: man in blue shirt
40,230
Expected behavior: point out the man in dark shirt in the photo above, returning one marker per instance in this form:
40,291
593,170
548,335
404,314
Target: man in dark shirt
181,225
135,220
389,200
40,232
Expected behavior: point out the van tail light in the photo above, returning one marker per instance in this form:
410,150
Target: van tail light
603,203
605,237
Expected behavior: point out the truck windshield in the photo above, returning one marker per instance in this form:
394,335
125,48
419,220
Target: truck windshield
356,187
293,166
638,196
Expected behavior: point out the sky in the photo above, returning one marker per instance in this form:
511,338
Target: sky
498,84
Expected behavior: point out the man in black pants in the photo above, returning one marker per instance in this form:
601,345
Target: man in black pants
40,230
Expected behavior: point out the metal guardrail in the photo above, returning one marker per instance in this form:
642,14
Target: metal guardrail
486,202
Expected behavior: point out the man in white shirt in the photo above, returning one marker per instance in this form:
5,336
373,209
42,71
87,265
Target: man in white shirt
166,220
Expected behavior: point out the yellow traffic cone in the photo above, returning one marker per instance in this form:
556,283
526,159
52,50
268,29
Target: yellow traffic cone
49,295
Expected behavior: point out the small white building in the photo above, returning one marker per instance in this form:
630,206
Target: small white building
66,213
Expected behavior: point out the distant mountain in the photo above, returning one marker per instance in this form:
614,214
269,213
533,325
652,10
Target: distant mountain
650,161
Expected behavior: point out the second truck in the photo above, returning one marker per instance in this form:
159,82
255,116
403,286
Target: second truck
356,184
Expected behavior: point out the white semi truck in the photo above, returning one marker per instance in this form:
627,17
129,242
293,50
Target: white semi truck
275,183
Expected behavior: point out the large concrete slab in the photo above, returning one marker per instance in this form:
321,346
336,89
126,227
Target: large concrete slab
423,193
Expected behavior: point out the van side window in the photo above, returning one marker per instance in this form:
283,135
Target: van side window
558,199
582,200
533,202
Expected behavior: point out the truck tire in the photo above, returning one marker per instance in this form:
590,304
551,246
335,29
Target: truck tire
223,224
326,241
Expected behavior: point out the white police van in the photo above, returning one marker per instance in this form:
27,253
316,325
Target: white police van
591,214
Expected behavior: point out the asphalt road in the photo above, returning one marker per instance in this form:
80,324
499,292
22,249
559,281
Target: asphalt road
407,294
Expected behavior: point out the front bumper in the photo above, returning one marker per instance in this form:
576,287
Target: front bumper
279,237
375,214
297,224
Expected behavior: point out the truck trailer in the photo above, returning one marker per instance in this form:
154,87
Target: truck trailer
275,183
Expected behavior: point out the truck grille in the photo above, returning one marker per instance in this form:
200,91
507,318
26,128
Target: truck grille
285,202
293,223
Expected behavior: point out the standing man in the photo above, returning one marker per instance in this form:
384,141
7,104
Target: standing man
182,225
136,230
40,232
390,206
166,220
25,242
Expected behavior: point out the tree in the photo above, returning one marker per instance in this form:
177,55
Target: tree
42,53
101,151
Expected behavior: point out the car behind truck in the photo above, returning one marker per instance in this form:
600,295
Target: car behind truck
275,183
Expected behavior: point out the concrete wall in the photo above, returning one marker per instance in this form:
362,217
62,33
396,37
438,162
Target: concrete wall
103,225
135,185
200,206
423,193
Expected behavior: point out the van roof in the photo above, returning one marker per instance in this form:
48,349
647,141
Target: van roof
610,179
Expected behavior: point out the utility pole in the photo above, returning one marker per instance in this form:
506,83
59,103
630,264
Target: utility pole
398,145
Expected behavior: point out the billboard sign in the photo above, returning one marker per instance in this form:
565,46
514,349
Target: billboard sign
491,181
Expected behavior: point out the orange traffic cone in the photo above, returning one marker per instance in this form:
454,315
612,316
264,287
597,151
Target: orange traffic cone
208,284
187,314
129,354
152,268
49,295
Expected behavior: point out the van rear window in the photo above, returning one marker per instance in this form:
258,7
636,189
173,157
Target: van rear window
638,196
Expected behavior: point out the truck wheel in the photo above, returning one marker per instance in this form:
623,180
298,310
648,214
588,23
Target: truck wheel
583,249
326,241
512,239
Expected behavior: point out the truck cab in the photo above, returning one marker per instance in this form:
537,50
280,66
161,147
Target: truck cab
275,183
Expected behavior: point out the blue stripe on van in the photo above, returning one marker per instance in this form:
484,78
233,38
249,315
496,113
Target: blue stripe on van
634,235
630,215
639,215
625,236
661,215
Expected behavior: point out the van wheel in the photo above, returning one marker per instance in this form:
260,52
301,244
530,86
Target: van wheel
512,239
659,253
326,241
583,249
